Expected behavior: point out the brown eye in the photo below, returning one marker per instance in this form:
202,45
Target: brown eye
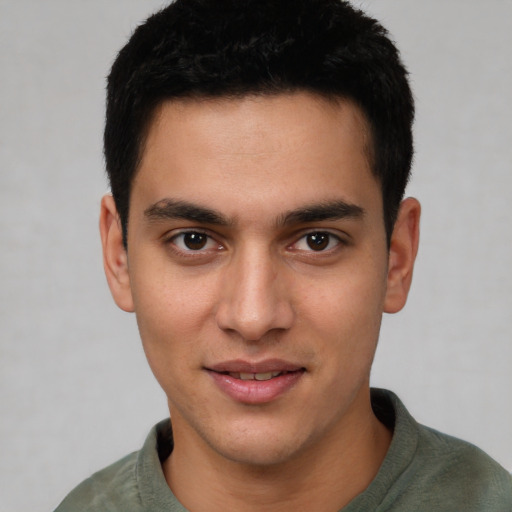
195,244
318,241
195,241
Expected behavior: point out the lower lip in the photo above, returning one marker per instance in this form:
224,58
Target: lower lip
256,391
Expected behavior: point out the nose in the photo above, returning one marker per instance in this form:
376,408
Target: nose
254,297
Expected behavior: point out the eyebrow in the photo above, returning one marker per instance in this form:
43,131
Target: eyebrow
168,209
330,210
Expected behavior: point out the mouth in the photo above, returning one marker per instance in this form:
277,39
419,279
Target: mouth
255,376
256,383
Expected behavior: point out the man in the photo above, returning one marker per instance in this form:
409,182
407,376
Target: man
258,153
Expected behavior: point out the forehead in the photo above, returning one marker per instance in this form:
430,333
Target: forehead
242,120
271,149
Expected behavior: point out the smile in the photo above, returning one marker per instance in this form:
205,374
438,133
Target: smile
255,376
255,383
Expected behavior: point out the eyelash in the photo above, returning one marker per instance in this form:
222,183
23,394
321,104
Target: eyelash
187,250
331,237
190,252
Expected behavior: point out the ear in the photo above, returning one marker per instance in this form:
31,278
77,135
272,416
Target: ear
402,253
115,259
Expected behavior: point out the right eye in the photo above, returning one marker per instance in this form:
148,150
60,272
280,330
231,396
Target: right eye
194,241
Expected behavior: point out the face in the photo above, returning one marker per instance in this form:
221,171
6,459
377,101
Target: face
258,269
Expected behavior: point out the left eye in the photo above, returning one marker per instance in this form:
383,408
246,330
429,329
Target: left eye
193,241
317,241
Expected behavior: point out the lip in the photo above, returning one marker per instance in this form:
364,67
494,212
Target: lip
267,365
255,392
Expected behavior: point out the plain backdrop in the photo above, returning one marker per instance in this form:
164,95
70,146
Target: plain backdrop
76,393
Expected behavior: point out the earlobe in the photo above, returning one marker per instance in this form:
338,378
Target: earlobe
115,259
402,254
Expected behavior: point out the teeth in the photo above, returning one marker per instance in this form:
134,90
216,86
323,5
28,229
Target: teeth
263,376
255,376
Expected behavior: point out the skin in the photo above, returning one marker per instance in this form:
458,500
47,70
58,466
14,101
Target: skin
257,290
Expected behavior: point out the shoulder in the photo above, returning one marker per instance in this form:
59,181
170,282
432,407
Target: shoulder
462,471
111,489
135,483
428,470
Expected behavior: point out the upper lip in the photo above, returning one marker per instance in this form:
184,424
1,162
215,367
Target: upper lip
268,365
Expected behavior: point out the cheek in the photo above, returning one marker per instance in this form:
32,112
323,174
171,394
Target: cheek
170,330
171,314
167,297
346,314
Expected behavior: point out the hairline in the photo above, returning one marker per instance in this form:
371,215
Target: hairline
369,139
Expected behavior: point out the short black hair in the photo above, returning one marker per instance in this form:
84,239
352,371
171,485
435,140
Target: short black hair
233,48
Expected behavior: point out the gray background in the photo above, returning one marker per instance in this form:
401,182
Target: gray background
75,391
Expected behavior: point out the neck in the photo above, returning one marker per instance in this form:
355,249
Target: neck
324,476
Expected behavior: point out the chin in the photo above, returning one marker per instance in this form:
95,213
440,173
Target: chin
261,447
258,456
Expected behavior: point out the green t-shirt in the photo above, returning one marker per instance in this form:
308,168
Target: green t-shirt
424,471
